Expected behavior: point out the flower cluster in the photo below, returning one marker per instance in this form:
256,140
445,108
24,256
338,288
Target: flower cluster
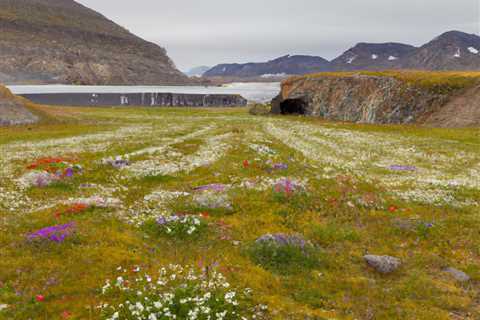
284,253
118,162
54,233
60,167
181,225
71,210
177,292
46,171
213,200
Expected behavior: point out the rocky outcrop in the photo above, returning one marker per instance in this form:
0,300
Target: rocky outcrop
13,110
61,41
382,98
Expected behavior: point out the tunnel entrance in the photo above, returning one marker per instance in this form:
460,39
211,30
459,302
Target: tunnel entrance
293,106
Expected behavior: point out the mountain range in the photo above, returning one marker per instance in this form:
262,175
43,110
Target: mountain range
62,41
453,50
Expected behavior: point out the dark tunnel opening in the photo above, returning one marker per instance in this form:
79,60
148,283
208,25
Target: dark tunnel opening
293,106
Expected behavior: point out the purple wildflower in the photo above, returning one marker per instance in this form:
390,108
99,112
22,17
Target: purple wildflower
55,233
69,172
280,166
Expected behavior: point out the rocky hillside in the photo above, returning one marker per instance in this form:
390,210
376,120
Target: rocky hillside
452,50
372,56
13,110
439,99
61,41
287,65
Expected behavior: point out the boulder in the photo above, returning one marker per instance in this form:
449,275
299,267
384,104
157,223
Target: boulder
383,264
458,275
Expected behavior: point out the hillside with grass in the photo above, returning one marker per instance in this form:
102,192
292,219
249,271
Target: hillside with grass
62,41
14,110
124,213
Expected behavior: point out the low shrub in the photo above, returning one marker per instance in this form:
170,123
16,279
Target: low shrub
260,109
284,254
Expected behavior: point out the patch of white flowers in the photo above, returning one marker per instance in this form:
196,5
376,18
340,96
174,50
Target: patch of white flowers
369,155
176,292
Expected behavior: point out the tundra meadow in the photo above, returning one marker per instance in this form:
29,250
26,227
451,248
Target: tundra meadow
138,213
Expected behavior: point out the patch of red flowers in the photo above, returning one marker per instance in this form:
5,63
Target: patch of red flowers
246,164
393,209
48,164
39,298
74,209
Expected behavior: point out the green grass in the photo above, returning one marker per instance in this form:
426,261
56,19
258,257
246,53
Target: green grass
343,214
437,82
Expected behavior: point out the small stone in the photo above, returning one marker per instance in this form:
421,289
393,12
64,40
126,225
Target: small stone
383,264
236,243
3,306
458,275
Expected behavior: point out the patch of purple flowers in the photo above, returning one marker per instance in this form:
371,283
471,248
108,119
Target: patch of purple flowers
280,166
403,168
54,233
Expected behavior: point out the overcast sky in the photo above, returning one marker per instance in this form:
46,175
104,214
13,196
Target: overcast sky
209,32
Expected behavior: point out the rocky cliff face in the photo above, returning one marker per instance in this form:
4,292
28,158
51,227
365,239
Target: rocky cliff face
61,41
13,110
364,98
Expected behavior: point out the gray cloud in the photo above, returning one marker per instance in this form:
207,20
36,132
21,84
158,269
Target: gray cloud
209,32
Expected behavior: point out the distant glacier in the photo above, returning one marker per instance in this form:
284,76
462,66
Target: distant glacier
254,92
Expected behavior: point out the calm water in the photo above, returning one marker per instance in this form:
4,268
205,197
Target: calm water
258,92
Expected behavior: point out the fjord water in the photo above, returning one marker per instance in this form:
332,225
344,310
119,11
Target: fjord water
254,92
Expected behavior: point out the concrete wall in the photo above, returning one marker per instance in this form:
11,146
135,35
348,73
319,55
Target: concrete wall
137,99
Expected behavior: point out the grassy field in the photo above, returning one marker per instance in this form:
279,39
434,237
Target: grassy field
409,192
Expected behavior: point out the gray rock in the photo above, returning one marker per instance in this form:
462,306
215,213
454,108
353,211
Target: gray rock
458,275
383,264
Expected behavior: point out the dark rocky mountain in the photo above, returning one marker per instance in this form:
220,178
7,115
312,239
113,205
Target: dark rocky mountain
280,67
61,41
452,50
197,71
372,56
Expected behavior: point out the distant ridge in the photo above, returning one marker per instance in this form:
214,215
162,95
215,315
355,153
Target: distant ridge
62,41
282,66
453,50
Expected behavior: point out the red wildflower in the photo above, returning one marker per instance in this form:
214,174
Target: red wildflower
39,298
66,315
392,209
74,209
205,215
246,164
